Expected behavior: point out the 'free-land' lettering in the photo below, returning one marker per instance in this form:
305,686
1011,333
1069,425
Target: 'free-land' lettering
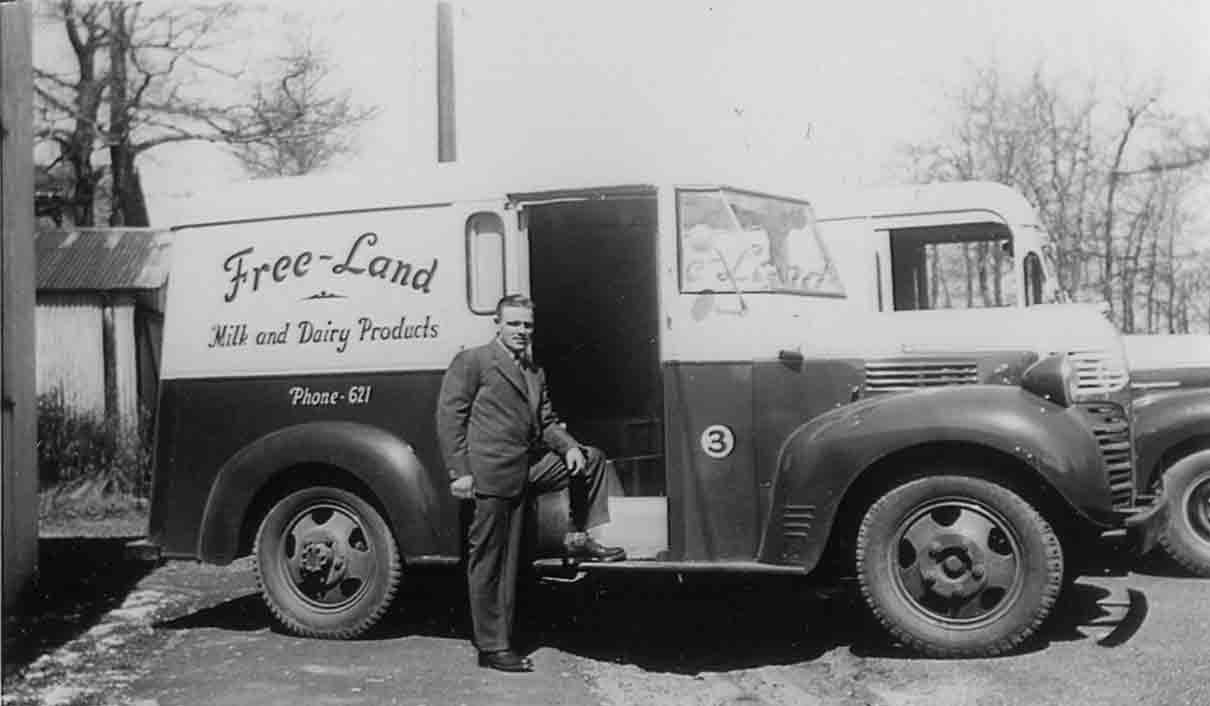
245,274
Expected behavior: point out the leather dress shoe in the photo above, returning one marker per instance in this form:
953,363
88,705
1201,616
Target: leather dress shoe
505,661
582,547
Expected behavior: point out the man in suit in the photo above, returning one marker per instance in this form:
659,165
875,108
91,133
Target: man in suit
502,441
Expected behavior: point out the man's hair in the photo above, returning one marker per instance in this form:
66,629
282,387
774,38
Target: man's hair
514,300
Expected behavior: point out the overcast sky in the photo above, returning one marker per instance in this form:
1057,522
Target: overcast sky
803,93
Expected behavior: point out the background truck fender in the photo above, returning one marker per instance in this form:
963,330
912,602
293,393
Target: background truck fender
821,460
1169,425
381,461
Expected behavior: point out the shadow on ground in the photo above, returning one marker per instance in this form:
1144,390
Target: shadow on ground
1158,563
79,580
687,625
699,622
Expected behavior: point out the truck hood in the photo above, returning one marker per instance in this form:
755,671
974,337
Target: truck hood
1043,329
1159,352
1168,362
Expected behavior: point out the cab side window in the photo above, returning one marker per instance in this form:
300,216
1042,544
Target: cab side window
484,261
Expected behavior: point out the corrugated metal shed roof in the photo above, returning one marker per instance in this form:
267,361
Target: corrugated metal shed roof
102,259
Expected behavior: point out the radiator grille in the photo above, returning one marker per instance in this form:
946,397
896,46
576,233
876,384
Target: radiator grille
1098,372
893,376
1112,430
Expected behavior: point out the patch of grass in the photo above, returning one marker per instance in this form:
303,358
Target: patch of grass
94,471
82,448
84,509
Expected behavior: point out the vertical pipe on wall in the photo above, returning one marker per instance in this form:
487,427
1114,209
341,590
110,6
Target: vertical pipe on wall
447,143
109,357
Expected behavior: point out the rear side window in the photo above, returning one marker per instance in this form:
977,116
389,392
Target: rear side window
484,261
1035,279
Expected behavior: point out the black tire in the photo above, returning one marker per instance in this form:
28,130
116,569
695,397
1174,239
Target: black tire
327,564
954,566
1186,537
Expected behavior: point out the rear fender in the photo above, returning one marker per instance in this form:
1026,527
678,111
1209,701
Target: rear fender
381,461
820,462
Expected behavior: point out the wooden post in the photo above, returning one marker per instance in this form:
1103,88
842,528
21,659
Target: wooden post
447,142
18,411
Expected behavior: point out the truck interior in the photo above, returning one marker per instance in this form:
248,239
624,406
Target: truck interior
593,279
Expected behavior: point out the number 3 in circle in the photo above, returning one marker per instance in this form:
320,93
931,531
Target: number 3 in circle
718,441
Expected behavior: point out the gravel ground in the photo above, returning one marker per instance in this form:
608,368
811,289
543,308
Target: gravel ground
115,632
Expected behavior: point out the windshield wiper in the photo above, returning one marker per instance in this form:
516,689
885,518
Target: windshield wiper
739,231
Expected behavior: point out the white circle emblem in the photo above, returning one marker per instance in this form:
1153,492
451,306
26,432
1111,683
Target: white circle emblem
718,441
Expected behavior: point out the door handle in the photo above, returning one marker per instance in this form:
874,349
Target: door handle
790,355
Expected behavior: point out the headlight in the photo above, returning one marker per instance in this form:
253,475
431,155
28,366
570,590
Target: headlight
1053,378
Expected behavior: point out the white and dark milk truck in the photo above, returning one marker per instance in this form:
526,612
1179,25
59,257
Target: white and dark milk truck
924,251
700,335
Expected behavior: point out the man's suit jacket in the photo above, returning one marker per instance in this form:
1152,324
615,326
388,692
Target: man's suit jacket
489,416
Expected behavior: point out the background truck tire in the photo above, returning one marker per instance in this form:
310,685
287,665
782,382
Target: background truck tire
1186,538
326,563
955,566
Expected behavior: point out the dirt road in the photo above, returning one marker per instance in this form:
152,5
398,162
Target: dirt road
190,634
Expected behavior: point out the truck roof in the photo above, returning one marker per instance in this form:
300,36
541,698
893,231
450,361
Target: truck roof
940,197
435,185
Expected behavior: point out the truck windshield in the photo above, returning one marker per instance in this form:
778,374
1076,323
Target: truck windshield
747,243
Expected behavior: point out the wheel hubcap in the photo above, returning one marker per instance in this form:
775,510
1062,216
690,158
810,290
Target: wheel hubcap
328,557
1197,506
957,562
952,567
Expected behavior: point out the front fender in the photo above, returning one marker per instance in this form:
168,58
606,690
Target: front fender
821,460
1169,420
382,461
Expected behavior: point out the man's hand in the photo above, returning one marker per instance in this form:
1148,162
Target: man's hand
574,458
463,488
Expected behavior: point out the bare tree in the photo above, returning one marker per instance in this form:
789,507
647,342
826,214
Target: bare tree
69,110
143,75
295,124
1108,177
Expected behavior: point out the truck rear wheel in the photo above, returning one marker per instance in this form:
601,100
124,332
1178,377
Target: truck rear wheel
955,566
326,563
1186,538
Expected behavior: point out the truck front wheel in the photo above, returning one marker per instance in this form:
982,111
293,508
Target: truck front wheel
955,566
1186,538
326,563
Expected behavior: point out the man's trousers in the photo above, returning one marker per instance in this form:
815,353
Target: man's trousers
495,539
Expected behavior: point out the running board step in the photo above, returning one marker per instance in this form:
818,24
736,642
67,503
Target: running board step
567,568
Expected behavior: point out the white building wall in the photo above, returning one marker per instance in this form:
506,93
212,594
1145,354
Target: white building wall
69,350
71,357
